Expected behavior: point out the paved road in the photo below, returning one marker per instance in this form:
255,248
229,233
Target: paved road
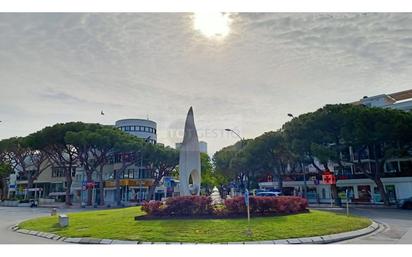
397,227
10,216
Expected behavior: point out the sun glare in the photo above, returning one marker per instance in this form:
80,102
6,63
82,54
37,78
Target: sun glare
212,25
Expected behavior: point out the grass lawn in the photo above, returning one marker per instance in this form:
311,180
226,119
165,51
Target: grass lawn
120,224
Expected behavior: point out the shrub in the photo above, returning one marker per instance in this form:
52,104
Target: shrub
180,206
152,208
202,205
267,204
235,205
188,205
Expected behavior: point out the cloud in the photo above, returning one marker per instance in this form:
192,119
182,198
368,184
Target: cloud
66,66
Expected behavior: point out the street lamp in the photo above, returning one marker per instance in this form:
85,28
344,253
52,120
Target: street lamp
234,132
291,115
241,139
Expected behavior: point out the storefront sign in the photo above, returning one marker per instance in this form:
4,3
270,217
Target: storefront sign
329,179
129,182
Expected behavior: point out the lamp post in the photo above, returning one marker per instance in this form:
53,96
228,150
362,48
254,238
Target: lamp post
234,132
241,141
146,140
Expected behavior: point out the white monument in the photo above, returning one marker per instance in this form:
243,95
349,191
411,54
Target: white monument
189,161
216,199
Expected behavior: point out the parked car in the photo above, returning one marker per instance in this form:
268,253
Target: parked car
405,203
268,194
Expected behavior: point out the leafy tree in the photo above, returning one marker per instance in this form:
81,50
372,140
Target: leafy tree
383,134
270,152
5,170
24,159
334,129
209,178
95,146
318,135
229,163
51,140
161,161
126,149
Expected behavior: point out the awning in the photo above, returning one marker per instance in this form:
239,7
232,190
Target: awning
58,194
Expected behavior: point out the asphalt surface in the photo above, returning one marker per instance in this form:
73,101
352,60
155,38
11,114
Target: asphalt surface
10,216
396,226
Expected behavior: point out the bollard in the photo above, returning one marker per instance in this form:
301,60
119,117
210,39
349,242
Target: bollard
53,212
63,220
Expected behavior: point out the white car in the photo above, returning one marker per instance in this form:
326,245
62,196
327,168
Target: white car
268,194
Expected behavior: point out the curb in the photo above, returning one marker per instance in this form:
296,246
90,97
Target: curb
327,239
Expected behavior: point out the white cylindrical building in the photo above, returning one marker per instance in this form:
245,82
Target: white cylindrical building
145,129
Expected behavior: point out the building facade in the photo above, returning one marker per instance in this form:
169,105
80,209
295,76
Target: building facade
134,181
397,177
145,129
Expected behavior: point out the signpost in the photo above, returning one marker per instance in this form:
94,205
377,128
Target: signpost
249,232
347,202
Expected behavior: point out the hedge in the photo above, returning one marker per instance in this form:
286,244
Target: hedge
267,204
202,206
180,206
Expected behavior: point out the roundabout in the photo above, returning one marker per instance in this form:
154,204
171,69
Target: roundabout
118,225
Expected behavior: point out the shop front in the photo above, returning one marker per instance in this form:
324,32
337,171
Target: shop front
131,190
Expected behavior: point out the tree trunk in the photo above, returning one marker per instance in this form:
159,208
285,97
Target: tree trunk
117,183
29,185
68,187
3,189
151,192
334,193
382,191
89,188
101,187
280,183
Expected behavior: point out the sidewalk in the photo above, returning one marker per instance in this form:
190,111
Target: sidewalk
352,205
407,238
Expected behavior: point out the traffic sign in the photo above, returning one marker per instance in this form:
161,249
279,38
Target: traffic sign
247,197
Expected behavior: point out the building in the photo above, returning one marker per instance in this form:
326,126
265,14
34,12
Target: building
134,182
146,129
397,177
400,100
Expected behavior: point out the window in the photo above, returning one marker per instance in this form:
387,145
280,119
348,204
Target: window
128,173
132,128
57,172
391,167
117,158
135,174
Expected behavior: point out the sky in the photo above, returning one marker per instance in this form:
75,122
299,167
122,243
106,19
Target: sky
60,67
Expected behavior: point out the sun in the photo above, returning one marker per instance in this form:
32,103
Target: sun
212,25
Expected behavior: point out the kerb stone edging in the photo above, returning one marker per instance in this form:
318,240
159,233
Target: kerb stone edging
327,239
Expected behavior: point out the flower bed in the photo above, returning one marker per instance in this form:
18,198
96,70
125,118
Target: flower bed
201,206
267,204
